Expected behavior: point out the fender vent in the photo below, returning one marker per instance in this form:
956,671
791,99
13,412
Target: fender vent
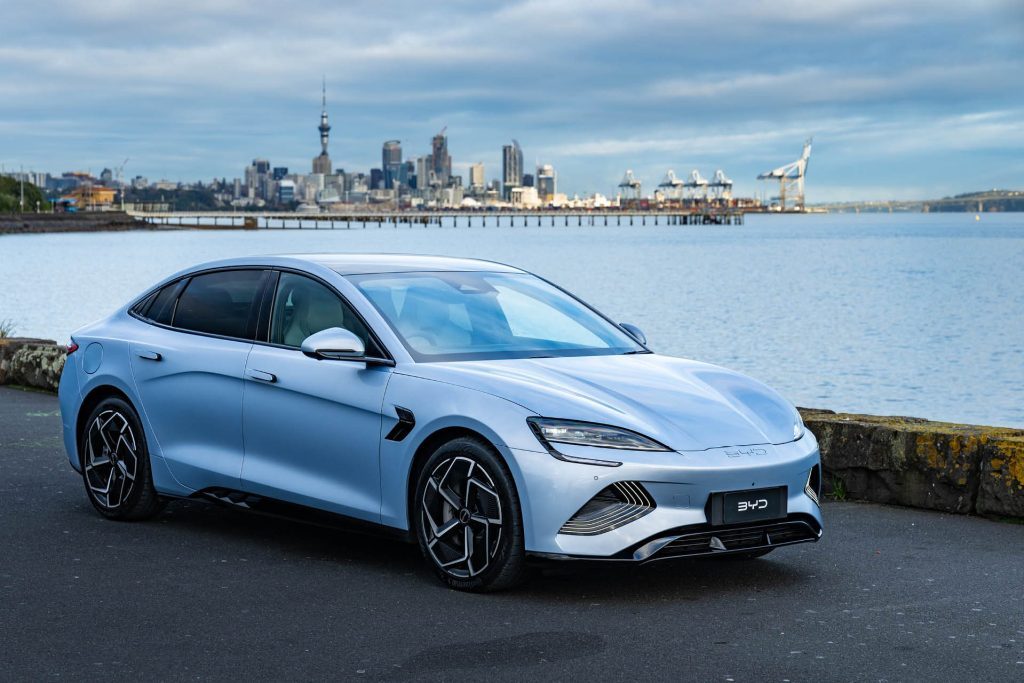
617,505
406,421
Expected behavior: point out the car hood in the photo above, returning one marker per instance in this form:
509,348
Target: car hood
684,404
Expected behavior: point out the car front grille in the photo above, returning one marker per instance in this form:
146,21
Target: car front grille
707,540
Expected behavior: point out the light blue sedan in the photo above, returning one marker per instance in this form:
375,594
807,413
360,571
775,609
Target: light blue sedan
469,406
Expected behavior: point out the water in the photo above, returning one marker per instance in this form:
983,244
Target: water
888,314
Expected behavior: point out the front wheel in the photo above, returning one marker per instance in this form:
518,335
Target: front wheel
115,463
467,518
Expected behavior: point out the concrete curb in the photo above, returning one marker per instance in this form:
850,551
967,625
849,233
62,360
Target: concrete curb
967,469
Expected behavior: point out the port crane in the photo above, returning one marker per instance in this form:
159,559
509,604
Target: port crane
672,185
791,179
630,185
721,185
697,185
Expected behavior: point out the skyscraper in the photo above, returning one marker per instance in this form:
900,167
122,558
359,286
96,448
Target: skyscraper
476,177
547,182
511,167
322,163
441,162
391,163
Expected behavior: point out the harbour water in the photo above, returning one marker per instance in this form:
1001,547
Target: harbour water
909,314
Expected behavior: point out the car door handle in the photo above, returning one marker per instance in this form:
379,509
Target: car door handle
262,376
150,355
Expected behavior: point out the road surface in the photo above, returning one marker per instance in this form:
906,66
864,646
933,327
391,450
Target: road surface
204,592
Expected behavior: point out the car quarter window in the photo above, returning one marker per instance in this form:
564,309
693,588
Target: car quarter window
221,303
161,305
303,306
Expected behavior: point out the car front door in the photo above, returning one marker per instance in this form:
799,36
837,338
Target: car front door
188,366
312,427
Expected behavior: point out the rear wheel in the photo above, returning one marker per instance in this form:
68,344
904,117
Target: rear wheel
467,518
115,463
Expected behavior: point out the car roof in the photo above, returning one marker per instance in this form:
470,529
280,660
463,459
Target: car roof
362,264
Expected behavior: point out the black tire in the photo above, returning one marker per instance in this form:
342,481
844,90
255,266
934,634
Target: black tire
462,489
115,463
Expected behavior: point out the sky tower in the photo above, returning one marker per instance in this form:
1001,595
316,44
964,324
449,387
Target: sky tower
322,163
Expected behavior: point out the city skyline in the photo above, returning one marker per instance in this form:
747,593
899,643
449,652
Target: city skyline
907,101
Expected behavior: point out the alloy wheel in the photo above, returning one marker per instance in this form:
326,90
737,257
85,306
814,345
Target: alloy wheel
111,459
462,517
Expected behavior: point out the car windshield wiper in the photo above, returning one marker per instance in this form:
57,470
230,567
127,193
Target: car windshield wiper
635,351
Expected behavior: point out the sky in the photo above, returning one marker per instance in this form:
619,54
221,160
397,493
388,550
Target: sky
904,100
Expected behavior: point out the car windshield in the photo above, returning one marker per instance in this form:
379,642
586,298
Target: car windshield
442,316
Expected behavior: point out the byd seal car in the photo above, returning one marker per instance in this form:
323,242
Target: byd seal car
472,407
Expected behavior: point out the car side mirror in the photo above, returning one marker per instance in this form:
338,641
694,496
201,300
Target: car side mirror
334,343
634,332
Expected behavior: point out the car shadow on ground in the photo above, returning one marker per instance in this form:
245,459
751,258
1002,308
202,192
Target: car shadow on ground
675,580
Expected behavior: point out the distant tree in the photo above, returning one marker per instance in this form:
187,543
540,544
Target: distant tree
10,197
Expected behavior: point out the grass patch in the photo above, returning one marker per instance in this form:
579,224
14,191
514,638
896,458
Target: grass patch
7,328
838,489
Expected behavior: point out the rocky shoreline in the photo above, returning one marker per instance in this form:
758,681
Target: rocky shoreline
957,468
94,221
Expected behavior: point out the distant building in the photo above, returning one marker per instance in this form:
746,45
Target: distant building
409,173
279,172
286,191
511,168
424,170
441,161
257,177
92,197
391,163
528,180
140,182
547,183
106,177
376,179
322,163
476,177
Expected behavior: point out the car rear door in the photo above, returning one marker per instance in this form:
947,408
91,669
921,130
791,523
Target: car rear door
188,366
312,427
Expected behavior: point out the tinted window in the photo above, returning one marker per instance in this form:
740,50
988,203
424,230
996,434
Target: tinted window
162,308
219,303
303,307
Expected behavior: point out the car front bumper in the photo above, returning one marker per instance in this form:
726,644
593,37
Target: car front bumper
681,485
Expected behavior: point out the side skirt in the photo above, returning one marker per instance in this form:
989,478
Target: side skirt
272,507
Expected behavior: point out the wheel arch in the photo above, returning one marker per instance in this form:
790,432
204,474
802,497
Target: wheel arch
93,398
432,442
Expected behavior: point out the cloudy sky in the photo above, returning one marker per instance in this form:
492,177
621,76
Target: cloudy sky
904,99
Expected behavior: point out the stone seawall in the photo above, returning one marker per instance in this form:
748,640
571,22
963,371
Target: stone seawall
86,221
958,468
35,363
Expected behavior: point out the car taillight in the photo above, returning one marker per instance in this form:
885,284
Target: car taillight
72,347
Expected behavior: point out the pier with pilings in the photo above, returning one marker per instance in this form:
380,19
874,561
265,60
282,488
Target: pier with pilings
479,219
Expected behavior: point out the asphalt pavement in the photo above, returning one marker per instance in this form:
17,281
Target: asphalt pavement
208,593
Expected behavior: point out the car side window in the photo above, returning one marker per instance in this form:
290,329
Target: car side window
222,303
303,306
161,310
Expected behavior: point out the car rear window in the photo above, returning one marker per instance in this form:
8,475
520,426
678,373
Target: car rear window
221,303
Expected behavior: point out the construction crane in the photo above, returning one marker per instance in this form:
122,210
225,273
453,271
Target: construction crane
791,179
721,185
697,185
672,185
630,185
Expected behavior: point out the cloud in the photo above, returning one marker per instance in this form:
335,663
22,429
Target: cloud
197,88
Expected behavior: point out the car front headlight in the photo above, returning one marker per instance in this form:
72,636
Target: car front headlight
798,427
576,433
